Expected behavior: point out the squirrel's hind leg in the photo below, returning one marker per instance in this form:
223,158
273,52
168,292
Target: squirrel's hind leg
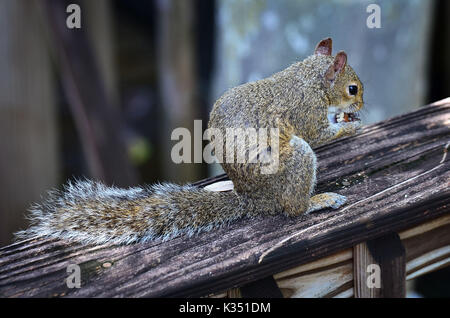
297,176
300,173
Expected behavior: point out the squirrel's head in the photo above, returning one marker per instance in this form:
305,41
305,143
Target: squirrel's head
344,89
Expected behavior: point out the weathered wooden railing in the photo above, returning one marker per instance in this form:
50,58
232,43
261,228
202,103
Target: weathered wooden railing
396,176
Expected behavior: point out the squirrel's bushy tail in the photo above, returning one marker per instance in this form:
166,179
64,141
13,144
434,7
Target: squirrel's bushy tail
90,212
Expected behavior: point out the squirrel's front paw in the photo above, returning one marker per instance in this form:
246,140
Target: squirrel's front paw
326,200
347,129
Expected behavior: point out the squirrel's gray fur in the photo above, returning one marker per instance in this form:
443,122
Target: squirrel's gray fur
297,101
90,212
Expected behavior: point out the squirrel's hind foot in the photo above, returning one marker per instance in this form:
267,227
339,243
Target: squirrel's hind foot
326,200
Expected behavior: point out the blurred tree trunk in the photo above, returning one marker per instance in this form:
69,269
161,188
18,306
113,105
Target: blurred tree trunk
29,162
100,27
178,82
99,122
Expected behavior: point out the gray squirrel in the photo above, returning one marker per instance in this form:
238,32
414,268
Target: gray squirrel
311,102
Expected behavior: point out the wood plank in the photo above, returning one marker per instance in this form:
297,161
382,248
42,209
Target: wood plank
395,174
326,282
422,258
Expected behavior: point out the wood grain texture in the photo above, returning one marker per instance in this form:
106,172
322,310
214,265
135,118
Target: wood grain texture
395,175
388,253
326,281
427,248
361,260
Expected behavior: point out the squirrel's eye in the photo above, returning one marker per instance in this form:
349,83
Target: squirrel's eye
353,89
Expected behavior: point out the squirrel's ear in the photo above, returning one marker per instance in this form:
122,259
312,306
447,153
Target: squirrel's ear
338,65
324,47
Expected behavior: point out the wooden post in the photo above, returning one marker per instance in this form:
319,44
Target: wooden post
380,268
